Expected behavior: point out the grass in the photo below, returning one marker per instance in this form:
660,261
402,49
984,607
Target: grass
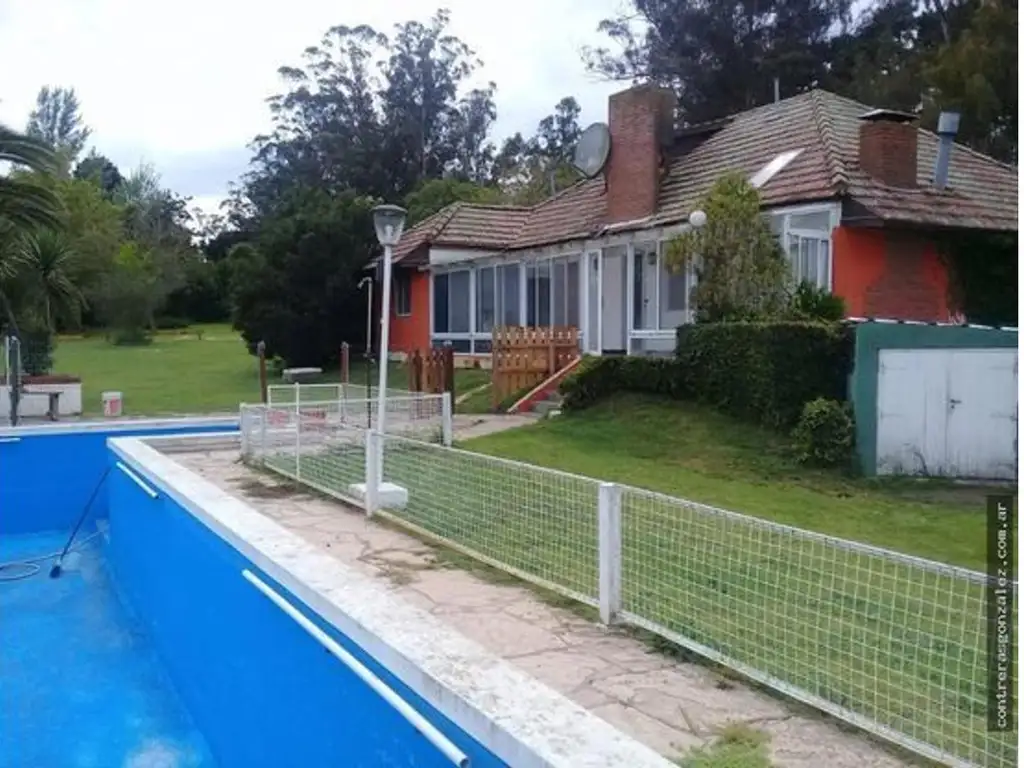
737,746
203,369
897,644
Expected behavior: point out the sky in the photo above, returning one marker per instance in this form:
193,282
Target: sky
183,85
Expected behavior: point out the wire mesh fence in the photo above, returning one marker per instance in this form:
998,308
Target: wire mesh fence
281,395
890,643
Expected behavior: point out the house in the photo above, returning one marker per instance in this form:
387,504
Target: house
850,191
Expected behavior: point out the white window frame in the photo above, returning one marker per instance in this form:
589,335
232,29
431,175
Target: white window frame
786,213
402,273
436,336
658,333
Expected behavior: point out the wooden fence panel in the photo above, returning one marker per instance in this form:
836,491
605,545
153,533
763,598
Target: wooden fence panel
522,357
433,372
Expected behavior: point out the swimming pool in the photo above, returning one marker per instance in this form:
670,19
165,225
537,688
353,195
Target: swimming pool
192,631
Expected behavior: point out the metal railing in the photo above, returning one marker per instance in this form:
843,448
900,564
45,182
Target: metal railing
890,643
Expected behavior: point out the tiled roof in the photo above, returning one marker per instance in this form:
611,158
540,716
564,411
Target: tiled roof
982,192
464,225
575,213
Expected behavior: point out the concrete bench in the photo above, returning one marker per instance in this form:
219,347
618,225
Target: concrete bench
53,406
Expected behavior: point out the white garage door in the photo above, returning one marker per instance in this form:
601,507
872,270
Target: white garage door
949,412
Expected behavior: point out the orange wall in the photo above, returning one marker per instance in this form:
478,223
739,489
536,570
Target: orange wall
412,332
889,274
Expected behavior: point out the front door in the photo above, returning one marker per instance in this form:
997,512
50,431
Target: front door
613,300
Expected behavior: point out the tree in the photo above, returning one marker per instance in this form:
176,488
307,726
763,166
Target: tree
48,266
530,170
433,195
25,203
101,171
300,295
57,120
740,268
721,58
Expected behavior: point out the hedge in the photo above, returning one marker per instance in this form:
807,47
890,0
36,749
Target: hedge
759,372
766,372
599,377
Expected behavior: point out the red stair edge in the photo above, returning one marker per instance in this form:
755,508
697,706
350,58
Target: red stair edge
543,389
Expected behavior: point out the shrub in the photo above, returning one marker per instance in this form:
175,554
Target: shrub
809,302
130,337
824,434
599,377
36,352
765,372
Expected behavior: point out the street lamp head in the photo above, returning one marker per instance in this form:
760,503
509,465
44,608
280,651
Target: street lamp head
389,221
698,219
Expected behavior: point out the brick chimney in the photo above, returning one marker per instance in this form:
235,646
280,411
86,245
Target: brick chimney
888,147
641,122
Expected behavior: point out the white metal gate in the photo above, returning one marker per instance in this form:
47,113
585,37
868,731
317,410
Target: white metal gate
949,412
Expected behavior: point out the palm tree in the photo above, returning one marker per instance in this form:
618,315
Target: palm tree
25,204
48,261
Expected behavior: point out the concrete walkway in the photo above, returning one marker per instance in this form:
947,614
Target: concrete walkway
671,706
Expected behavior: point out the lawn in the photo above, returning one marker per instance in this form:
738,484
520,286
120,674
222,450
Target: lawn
897,644
204,369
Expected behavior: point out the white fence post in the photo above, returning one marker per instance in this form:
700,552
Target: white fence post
298,441
374,444
609,550
245,428
446,418
264,416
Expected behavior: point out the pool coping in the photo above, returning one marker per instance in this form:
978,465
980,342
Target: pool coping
120,425
519,719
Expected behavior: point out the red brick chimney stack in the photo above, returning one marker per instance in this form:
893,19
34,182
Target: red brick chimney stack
641,122
888,147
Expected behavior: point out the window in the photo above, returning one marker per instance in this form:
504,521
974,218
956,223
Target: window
806,239
566,292
402,287
538,294
809,260
451,302
486,304
508,294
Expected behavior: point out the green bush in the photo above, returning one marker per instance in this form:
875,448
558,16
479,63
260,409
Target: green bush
36,352
809,302
824,434
599,377
765,372
130,337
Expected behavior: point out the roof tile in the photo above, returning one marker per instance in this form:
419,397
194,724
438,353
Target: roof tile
982,192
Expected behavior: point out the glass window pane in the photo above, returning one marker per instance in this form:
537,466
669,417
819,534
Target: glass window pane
458,302
638,289
824,280
572,294
485,308
440,303
558,269
544,294
794,257
674,293
531,295
510,294
817,220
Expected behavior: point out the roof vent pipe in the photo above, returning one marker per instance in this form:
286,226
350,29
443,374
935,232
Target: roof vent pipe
949,123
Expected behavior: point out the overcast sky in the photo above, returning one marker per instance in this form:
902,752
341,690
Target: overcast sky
182,84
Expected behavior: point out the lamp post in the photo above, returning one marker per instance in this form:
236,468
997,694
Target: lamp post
389,221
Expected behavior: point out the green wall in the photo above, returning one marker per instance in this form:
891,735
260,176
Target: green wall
872,337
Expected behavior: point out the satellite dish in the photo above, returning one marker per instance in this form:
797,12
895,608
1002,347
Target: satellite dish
592,150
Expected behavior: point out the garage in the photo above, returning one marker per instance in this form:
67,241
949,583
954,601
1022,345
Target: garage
936,401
